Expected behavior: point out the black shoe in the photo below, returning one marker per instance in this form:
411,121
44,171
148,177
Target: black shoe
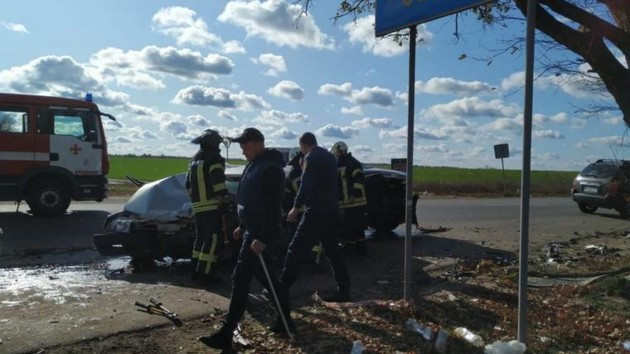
339,296
218,340
278,328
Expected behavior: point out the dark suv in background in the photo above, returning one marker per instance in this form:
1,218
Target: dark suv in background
603,184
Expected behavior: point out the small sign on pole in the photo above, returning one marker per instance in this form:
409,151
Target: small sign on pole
502,151
399,165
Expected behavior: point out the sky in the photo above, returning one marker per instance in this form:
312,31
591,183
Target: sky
170,69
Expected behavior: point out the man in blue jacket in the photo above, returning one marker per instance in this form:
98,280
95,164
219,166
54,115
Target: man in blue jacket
259,199
318,196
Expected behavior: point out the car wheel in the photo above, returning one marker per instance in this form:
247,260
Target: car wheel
588,209
49,198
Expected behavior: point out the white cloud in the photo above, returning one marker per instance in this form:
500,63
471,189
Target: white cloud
504,124
135,68
344,89
211,96
361,31
614,140
275,117
367,95
178,129
186,28
432,148
287,89
121,140
335,131
277,22
548,134
472,107
419,133
559,118
355,110
15,27
198,120
59,76
275,62
448,85
362,149
573,84
284,133
226,115
372,123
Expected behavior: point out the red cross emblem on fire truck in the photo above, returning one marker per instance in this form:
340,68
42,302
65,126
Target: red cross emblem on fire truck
75,149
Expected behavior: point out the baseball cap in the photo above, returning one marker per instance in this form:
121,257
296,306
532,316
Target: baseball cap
249,134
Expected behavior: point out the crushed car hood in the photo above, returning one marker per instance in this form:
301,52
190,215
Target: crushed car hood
163,200
167,200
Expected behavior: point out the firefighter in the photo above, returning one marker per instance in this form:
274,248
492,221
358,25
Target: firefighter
205,183
352,200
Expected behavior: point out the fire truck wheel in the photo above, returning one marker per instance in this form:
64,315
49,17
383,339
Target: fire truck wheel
48,198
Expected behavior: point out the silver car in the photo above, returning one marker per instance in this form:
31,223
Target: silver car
602,184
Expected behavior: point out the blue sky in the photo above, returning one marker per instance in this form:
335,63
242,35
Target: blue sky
168,70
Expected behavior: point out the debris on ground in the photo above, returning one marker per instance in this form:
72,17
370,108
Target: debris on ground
500,347
414,326
357,347
470,337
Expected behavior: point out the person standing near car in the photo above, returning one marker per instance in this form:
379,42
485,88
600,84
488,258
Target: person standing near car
259,198
352,201
205,183
318,196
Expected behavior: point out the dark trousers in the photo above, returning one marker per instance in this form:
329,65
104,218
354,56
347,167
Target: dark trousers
247,267
314,227
208,241
354,224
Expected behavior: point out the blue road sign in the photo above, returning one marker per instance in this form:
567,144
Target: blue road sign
394,15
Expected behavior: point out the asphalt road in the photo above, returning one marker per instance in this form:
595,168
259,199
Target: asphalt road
55,288
476,219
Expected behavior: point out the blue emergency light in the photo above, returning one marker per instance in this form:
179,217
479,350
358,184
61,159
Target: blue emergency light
88,97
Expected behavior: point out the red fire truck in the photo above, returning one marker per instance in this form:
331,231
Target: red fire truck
52,150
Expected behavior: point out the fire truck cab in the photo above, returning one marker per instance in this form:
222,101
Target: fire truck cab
52,150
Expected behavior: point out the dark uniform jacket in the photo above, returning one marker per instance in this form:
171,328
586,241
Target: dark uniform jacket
318,191
292,180
205,181
259,196
350,182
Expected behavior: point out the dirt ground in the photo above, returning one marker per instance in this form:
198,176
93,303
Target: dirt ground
456,284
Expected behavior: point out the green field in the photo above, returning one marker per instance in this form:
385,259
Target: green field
438,180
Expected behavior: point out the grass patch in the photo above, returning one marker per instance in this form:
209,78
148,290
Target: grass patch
436,180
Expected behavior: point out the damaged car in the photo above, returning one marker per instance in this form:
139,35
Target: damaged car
157,221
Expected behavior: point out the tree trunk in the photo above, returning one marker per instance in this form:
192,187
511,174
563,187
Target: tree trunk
590,45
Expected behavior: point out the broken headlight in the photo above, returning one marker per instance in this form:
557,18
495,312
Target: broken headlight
121,225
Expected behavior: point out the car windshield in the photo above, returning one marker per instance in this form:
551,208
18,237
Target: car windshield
598,170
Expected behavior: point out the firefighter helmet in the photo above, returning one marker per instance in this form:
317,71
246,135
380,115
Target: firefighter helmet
209,138
339,148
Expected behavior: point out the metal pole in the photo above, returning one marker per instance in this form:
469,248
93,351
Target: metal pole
503,171
525,177
410,136
275,298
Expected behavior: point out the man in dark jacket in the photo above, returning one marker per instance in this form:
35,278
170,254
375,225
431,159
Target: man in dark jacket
352,201
205,183
318,196
259,199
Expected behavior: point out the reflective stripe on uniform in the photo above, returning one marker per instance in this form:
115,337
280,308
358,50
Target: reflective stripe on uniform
206,205
201,184
344,183
216,166
195,254
219,187
211,257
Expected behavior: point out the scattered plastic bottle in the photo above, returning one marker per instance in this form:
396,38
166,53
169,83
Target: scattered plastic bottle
414,326
440,341
469,336
357,347
511,347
